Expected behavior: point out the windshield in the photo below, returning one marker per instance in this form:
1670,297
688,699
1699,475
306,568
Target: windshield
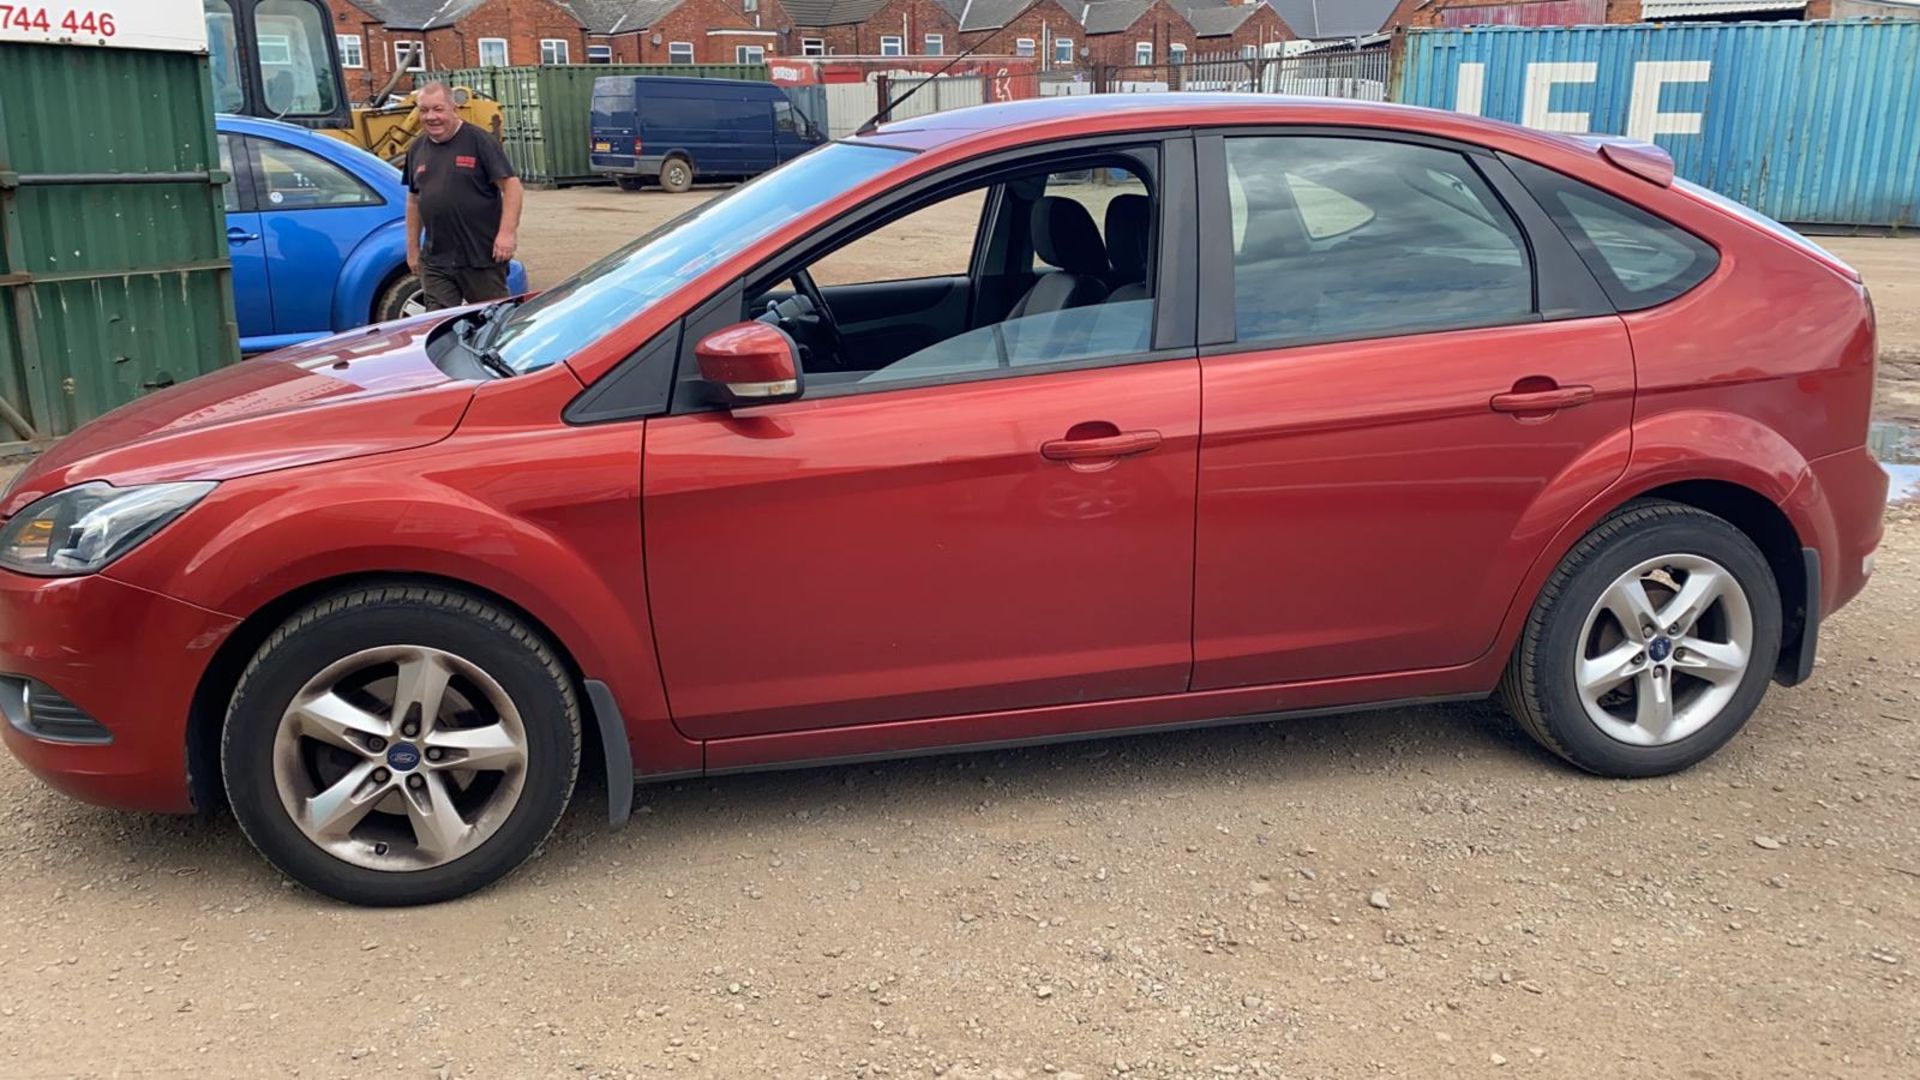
545,330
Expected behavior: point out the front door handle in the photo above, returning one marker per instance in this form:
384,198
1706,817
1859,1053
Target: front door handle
1541,401
237,235
1100,447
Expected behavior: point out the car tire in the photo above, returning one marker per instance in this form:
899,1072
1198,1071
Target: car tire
629,183
1627,703
330,783
676,175
403,299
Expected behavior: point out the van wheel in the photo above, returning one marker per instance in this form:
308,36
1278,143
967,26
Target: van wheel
403,299
401,745
676,175
1650,645
629,183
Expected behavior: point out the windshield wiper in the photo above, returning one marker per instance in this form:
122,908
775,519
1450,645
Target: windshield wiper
491,360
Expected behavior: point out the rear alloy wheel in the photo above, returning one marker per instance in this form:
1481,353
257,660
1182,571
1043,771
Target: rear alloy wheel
401,745
1650,646
676,175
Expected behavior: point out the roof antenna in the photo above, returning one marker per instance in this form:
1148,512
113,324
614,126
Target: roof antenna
887,109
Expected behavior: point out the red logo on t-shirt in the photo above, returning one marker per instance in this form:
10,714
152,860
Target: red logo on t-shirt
466,161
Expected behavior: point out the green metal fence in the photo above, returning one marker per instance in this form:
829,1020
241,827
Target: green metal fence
114,278
546,109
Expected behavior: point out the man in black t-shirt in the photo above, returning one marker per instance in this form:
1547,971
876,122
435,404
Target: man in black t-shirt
462,189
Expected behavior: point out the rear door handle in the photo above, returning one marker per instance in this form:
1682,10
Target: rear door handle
1100,447
1540,401
236,235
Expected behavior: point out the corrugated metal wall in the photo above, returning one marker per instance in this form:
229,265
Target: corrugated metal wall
113,258
545,110
1808,122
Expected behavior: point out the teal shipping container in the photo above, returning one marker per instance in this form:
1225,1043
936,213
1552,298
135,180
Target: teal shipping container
1811,123
114,279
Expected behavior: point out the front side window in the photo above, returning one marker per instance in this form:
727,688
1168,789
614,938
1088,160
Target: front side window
575,313
493,52
1339,238
891,45
351,55
1640,260
749,54
1082,287
289,178
555,51
680,52
296,73
934,45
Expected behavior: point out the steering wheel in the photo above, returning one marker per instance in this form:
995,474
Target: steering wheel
823,321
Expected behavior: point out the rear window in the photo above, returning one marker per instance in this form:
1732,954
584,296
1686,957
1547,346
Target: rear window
1641,260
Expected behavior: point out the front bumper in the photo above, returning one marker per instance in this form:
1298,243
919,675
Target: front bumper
129,659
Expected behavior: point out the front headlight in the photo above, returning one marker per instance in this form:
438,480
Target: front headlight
85,527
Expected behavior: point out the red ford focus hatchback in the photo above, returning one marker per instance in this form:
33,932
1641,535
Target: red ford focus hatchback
1235,407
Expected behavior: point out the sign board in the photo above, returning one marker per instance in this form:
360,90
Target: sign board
174,25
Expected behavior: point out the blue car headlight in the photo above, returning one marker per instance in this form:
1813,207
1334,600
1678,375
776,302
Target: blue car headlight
85,527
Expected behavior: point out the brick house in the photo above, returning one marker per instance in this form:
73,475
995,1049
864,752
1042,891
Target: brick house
1051,32
1337,20
446,34
1227,26
1135,32
684,31
875,27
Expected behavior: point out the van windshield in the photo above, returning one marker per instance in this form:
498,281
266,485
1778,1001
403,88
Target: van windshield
548,328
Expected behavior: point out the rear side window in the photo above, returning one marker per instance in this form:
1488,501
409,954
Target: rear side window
1339,238
1641,260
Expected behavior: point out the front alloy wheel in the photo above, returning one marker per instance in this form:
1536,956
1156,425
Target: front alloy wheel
400,757
401,745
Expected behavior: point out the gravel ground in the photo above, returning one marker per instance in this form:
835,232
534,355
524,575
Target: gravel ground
1419,892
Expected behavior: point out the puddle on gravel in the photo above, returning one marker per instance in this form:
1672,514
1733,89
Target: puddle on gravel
1897,446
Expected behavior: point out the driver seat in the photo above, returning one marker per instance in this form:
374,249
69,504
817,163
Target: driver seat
1065,236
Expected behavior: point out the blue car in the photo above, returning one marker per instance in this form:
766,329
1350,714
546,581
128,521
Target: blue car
317,231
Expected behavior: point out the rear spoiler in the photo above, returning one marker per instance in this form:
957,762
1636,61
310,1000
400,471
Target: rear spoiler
1642,159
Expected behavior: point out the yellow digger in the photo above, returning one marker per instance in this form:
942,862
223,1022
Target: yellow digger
279,59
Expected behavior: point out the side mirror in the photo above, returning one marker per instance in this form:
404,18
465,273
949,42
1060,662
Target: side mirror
751,363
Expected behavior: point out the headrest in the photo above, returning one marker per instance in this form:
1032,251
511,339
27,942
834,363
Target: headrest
1065,236
1128,241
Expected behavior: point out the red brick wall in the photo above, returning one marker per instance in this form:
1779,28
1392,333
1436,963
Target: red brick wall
1043,24
911,20
523,23
690,22
1160,24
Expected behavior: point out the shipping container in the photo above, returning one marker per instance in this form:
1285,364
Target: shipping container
114,278
1812,123
546,110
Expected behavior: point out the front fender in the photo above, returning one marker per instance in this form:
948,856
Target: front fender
379,255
